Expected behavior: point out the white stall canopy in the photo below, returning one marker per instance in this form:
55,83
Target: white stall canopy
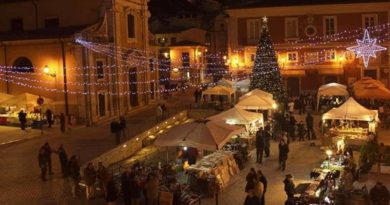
226,83
243,85
254,102
235,116
351,110
332,89
220,90
202,134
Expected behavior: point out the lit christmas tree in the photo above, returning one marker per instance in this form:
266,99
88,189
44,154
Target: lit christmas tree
266,72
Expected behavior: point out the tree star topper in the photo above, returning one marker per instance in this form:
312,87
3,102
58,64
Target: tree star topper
366,48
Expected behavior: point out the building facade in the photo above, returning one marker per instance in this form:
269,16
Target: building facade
90,57
310,40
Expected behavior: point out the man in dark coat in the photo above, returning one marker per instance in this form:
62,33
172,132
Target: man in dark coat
309,125
123,125
116,130
63,157
125,187
49,117
283,154
289,188
74,171
47,153
263,180
301,131
267,140
379,194
260,145
62,122
22,119
249,179
291,127
42,163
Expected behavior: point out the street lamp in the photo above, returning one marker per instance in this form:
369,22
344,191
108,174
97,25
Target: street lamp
47,71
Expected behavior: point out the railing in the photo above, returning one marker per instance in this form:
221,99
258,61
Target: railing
132,146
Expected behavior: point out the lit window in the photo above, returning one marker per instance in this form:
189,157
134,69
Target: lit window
291,27
23,64
99,69
330,55
130,26
330,25
253,30
311,57
292,56
370,20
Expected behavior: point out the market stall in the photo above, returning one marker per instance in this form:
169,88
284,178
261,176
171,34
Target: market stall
202,134
243,85
259,93
351,121
254,102
227,83
368,88
220,91
213,172
26,102
235,116
332,94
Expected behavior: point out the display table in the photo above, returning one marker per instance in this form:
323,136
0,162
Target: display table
352,136
216,168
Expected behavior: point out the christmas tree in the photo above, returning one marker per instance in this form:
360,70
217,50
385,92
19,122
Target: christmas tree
266,72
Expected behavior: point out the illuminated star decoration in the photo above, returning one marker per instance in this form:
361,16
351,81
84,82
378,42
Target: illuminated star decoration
265,19
366,48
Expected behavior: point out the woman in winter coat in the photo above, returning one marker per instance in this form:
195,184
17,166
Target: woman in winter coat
283,154
251,199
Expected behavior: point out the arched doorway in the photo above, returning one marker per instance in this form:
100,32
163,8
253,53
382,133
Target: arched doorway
23,64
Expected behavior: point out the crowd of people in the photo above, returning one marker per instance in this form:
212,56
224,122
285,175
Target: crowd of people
49,116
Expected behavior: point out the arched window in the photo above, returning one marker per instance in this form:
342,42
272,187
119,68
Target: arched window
23,64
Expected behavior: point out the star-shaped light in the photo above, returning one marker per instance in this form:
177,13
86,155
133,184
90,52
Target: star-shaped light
265,19
366,48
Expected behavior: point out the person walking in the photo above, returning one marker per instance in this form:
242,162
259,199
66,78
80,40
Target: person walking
136,189
74,170
260,145
63,157
249,179
309,125
159,113
102,175
90,179
267,140
42,163
111,191
301,131
47,153
116,130
289,188
283,154
125,187
263,180
123,125
379,194
62,122
22,119
152,187
49,117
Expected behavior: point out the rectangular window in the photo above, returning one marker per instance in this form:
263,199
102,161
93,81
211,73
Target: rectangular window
51,23
330,25
16,24
311,57
330,55
292,56
102,104
253,30
151,65
99,69
185,57
370,20
130,26
291,27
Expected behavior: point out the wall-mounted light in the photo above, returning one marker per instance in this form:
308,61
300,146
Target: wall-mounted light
224,57
166,54
175,70
48,72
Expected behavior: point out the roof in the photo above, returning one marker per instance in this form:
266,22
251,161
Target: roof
276,3
351,110
41,33
187,43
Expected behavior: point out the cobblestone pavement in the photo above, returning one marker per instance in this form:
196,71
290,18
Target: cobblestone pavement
19,173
